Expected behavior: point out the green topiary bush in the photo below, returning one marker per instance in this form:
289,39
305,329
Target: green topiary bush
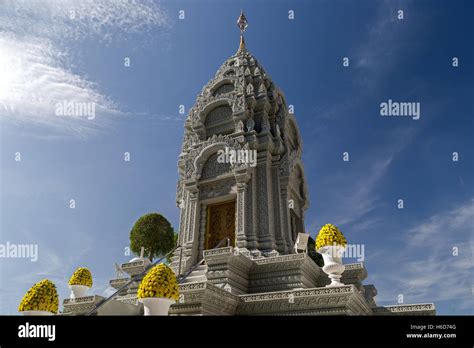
154,233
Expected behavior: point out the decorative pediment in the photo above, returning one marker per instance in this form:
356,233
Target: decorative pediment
212,167
217,115
198,155
223,87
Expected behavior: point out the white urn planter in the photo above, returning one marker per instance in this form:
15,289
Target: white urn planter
78,291
37,313
333,267
156,305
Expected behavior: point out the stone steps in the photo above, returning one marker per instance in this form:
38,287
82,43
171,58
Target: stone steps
198,275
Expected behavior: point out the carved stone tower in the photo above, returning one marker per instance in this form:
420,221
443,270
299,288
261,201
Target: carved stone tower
258,205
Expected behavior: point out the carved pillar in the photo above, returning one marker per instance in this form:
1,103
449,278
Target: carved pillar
278,226
243,231
202,230
240,239
265,238
272,228
192,223
182,219
249,217
285,213
183,232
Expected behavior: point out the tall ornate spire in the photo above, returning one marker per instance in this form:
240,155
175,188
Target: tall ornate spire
242,24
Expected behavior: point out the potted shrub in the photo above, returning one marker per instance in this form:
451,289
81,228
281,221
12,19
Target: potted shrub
80,282
158,290
331,243
41,299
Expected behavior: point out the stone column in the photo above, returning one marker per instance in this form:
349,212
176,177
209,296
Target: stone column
285,214
254,212
270,204
249,214
183,219
182,256
202,230
266,240
240,239
278,226
183,228
243,236
192,224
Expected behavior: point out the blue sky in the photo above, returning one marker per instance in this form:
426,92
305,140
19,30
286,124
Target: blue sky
46,56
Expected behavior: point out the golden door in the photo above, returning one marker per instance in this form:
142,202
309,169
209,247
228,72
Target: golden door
220,224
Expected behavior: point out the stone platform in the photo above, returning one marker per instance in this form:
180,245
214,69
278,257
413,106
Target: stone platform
233,282
82,305
236,284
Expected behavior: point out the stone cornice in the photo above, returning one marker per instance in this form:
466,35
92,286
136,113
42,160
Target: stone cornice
329,300
408,309
269,296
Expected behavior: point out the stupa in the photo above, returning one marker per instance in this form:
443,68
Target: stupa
241,221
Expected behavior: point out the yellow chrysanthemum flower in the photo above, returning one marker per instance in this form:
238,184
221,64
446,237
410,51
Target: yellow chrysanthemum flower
41,297
81,276
330,235
160,281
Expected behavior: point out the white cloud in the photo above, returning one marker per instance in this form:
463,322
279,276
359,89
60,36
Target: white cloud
459,221
34,80
386,43
36,67
425,269
381,39
356,198
72,19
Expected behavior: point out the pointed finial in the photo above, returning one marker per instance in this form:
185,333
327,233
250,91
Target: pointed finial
242,24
